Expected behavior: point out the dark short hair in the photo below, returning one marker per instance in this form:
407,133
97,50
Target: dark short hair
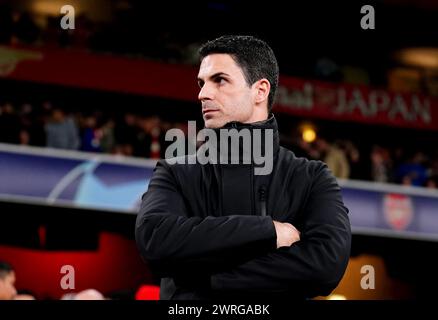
253,55
5,269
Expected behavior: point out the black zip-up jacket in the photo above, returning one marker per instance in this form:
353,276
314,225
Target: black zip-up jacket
208,232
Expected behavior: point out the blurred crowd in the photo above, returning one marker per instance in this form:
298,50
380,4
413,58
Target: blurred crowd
131,134
49,126
24,28
380,164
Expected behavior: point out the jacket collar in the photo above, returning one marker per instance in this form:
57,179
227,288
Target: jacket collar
262,126
270,123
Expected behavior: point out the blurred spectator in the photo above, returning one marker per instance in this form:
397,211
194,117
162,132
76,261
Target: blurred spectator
334,158
9,124
126,134
88,294
108,140
26,124
62,132
433,167
432,182
24,138
36,128
190,143
149,139
413,172
353,156
380,164
91,136
7,282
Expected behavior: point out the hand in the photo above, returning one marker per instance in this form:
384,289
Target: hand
287,234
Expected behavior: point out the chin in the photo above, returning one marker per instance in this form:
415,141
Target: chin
213,123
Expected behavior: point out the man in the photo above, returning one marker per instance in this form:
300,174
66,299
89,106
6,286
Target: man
7,281
218,230
7,284
333,157
62,131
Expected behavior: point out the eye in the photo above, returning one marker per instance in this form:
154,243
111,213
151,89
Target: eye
200,83
220,80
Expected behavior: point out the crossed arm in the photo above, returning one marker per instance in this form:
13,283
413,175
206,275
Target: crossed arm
243,252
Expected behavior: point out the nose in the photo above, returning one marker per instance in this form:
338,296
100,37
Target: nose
206,93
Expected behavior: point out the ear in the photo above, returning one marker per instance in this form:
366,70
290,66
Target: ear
262,89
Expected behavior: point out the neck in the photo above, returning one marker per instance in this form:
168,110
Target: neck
260,114
248,141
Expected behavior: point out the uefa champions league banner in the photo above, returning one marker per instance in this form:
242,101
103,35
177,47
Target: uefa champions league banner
112,183
45,176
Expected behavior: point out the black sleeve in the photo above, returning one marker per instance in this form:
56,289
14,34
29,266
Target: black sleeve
176,243
310,267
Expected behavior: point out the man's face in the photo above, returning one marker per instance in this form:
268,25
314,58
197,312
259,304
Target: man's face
58,116
225,94
7,288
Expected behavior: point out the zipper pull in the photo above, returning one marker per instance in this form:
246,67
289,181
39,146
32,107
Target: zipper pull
262,198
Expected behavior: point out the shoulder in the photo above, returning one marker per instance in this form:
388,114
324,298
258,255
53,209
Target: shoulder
300,166
179,167
310,175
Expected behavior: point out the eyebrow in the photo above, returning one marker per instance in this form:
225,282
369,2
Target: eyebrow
216,75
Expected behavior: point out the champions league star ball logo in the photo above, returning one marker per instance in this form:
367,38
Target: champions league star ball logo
398,211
